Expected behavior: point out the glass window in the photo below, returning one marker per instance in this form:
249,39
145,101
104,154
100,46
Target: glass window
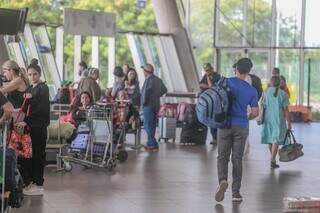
201,22
260,60
314,56
230,23
259,20
155,56
47,61
228,58
288,22
312,34
139,45
203,55
289,68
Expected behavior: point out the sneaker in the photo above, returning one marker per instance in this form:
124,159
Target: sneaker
33,190
274,165
221,190
151,148
236,197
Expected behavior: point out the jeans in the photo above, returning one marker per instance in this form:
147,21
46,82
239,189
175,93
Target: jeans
150,125
214,133
234,140
32,168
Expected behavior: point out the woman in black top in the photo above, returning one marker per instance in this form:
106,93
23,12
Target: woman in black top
17,84
38,118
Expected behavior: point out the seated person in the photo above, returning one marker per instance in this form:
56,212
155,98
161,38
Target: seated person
63,95
79,112
125,116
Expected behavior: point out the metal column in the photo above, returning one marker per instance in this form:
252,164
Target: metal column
77,56
302,44
95,52
111,60
59,52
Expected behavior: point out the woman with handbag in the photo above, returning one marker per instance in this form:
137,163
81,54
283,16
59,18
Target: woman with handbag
276,119
37,119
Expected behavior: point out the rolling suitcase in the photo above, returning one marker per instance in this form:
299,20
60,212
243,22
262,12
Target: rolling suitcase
167,128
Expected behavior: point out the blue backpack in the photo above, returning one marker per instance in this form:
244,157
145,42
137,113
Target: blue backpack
213,105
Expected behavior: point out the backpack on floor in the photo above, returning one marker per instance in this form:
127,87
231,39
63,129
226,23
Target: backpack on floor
213,105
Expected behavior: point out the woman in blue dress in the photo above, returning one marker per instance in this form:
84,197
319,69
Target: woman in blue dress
276,118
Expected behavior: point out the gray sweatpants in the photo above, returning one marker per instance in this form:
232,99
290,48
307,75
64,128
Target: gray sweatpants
233,139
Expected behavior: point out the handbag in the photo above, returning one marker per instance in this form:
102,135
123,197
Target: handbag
68,118
262,110
291,151
19,139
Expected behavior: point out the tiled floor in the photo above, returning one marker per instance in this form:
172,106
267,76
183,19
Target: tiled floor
182,179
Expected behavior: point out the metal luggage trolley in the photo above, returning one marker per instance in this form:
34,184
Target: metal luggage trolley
57,144
99,151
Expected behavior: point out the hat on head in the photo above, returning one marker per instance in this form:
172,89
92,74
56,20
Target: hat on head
65,83
118,71
243,64
207,66
148,68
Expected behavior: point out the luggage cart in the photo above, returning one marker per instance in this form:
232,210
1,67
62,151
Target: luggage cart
98,151
57,144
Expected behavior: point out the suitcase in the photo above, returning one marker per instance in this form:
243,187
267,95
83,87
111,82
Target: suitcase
167,128
80,143
194,134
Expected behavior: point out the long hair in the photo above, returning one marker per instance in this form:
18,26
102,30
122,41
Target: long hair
275,82
135,80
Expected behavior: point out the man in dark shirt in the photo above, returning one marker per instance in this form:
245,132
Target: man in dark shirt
207,81
152,89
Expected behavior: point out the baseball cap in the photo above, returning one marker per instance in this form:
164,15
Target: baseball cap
243,64
207,66
118,71
147,68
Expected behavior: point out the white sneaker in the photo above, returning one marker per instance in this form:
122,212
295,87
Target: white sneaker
33,190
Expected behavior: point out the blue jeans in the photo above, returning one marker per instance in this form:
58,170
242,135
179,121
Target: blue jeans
214,133
150,125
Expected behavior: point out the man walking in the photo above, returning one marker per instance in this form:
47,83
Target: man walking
152,89
232,139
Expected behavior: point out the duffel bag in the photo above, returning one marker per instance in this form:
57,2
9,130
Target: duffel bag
291,151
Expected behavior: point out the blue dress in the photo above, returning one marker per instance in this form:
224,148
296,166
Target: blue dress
274,127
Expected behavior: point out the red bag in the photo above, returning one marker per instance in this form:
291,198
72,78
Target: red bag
68,118
19,140
21,144
168,110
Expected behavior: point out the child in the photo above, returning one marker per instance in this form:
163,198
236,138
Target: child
125,115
